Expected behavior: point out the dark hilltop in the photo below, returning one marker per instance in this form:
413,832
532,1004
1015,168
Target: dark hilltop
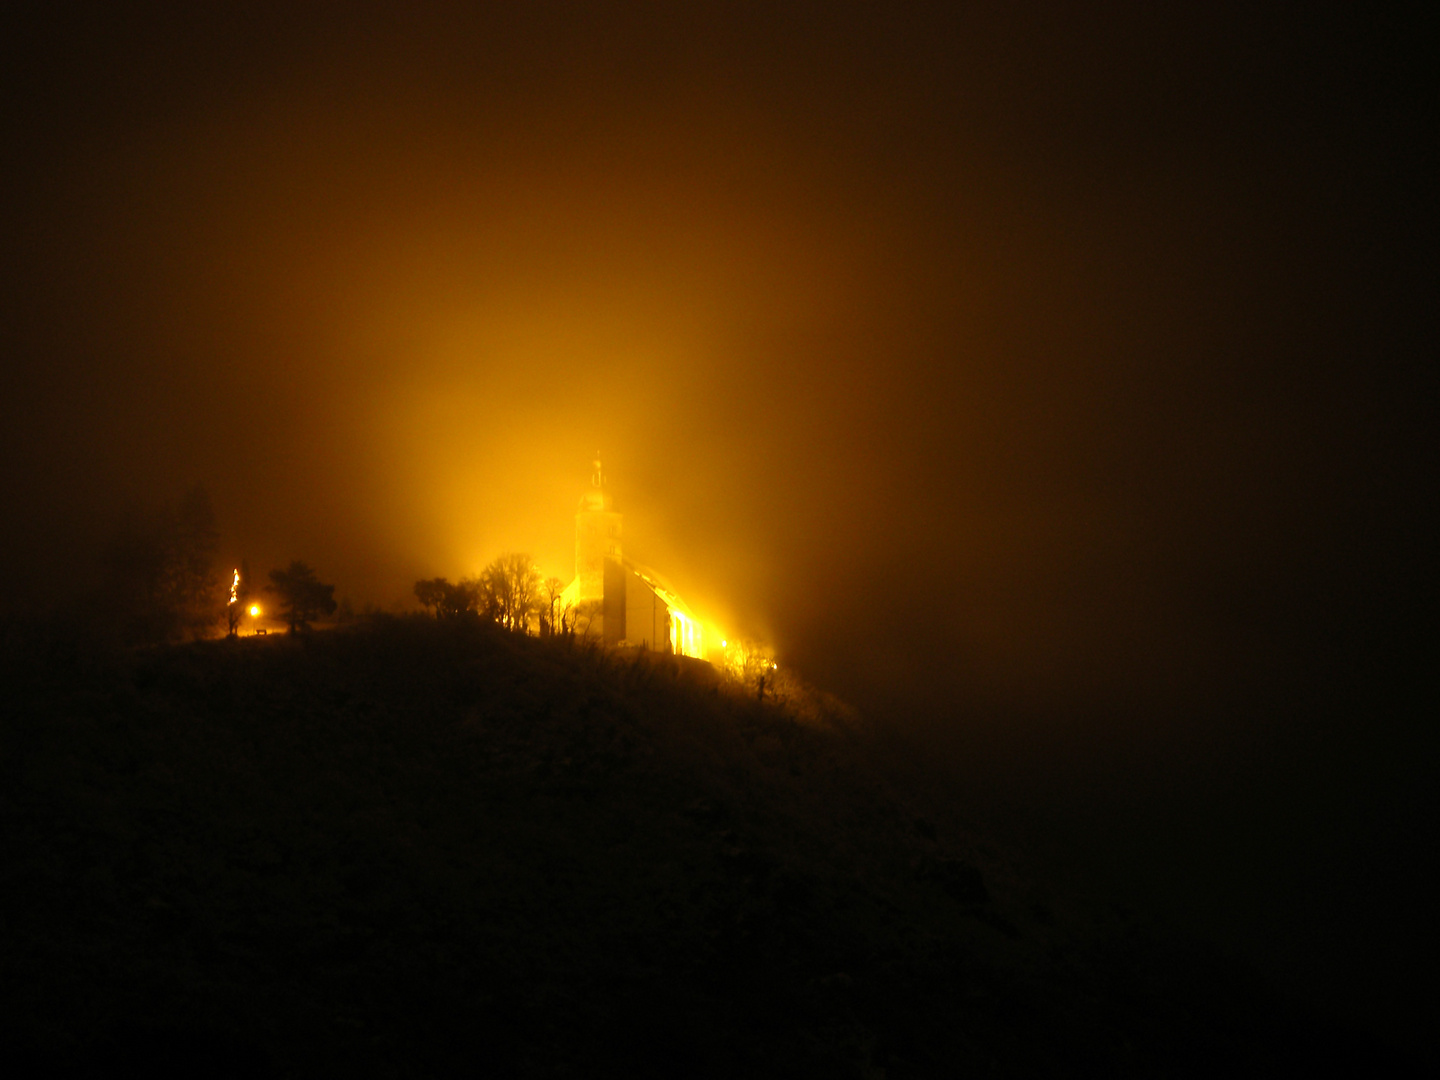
415,848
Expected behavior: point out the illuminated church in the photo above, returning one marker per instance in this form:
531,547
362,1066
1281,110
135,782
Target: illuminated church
627,604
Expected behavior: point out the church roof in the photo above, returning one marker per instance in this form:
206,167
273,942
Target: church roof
661,588
653,580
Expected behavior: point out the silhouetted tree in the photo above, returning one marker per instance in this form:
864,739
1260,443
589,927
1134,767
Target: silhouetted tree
554,611
133,595
582,619
449,601
460,599
160,578
431,592
302,596
194,580
510,591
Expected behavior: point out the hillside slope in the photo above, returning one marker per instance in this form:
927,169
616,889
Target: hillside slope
416,849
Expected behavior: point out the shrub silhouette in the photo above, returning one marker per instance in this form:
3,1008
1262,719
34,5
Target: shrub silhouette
302,596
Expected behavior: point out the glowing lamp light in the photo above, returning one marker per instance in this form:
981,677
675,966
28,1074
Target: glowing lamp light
254,610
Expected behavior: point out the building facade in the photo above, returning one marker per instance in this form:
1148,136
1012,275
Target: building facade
615,600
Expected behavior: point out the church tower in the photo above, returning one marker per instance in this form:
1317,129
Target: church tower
599,575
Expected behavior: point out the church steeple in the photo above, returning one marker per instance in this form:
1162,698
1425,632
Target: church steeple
597,551
597,498
616,601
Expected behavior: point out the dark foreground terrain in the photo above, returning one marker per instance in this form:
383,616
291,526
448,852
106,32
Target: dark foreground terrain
414,849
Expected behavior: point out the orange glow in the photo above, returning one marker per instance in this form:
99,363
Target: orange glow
234,587
746,660
254,610
686,636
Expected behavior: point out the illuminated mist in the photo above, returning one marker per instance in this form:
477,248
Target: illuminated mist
391,341
1041,384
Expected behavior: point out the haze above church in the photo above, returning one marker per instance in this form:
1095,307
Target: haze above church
628,604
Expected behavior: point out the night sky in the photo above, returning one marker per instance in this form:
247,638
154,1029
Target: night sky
1050,385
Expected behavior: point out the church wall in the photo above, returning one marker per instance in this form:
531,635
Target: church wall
614,604
647,617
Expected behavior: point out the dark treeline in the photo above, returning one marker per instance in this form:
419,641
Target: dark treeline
510,592
159,580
